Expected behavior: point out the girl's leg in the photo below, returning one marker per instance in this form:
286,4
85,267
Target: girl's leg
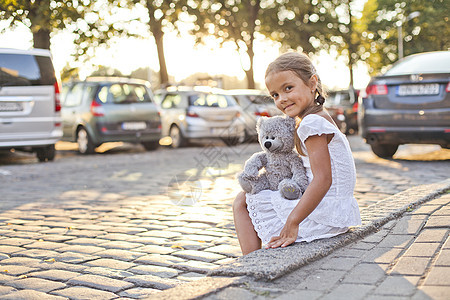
247,236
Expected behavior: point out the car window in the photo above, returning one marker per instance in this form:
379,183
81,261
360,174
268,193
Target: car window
260,99
438,62
211,100
24,69
73,96
171,101
103,94
124,93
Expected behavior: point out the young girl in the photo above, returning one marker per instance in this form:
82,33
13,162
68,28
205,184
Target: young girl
328,207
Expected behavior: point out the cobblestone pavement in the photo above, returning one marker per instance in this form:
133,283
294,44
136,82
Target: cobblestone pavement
129,224
408,258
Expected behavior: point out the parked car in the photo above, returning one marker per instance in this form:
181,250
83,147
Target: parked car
254,104
410,103
343,106
197,113
30,118
100,110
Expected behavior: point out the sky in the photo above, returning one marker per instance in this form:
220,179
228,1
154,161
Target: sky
130,54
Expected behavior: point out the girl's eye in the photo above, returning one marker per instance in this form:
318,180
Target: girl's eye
274,96
288,88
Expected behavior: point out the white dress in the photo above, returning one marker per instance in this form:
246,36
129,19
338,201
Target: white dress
338,209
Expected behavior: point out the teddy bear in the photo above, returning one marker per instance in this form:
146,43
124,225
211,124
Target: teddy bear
278,166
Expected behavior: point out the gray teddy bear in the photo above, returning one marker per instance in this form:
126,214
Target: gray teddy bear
278,167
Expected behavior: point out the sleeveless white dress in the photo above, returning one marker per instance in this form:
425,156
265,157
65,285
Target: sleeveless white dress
338,209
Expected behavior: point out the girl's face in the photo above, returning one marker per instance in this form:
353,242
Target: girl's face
291,95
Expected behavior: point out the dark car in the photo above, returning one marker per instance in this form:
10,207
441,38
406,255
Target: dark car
410,103
343,107
100,110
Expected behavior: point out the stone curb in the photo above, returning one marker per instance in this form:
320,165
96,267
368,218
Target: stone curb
273,263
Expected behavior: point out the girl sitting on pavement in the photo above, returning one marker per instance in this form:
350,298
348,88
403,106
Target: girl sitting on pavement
328,207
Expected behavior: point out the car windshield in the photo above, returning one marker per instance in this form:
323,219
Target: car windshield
124,94
211,100
25,70
437,62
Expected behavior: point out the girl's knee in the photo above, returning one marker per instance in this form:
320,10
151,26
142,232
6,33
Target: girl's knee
239,203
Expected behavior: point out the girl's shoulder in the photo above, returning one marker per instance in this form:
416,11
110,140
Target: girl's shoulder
314,124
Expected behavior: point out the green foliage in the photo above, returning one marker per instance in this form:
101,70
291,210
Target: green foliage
430,31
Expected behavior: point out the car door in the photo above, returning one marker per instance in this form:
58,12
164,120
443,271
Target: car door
173,112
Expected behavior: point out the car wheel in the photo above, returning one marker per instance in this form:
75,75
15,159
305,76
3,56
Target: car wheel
46,153
177,137
150,145
85,145
384,150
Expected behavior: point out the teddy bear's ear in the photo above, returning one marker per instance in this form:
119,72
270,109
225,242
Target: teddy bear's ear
260,121
290,121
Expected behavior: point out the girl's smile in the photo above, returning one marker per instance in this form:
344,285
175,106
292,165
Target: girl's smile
291,95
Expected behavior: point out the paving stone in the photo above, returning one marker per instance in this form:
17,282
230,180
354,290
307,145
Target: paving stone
191,276
197,237
321,280
74,257
425,209
149,240
356,253
4,278
155,249
36,253
342,263
4,290
159,260
81,249
126,230
3,256
55,275
160,234
431,236
55,265
411,266
124,255
188,245
349,292
15,269
139,293
29,295
10,249
107,272
300,294
55,238
100,282
110,263
422,249
159,271
44,245
443,258
432,292
226,250
438,222
365,273
396,241
85,233
37,284
80,292
23,261
398,286
16,241
381,255
121,245
438,276
87,241
154,282
195,266
198,255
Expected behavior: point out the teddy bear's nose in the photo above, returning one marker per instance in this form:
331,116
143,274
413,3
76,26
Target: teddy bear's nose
267,144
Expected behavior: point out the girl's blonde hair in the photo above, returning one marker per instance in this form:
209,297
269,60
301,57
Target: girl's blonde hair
301,66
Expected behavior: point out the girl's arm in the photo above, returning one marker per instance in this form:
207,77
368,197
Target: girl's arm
319,157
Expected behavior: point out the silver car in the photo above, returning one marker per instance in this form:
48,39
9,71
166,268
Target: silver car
189,114
254,104
30,118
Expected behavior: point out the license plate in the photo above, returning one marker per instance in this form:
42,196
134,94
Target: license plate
134,125
10,106
418,89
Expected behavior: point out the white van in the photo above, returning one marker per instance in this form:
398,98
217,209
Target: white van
30,117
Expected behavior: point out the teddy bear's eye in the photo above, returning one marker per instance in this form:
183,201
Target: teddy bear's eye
273,138
267,137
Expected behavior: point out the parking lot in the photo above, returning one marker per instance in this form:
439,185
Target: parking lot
126,222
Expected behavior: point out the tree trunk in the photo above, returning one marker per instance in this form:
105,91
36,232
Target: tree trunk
249,72
163,75
41,39
350,68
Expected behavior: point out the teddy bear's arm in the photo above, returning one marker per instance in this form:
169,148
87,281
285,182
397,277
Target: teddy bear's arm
299,172
255,163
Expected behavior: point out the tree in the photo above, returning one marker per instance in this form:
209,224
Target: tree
429,31
162,16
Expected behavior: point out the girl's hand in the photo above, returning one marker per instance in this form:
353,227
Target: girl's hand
288,235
